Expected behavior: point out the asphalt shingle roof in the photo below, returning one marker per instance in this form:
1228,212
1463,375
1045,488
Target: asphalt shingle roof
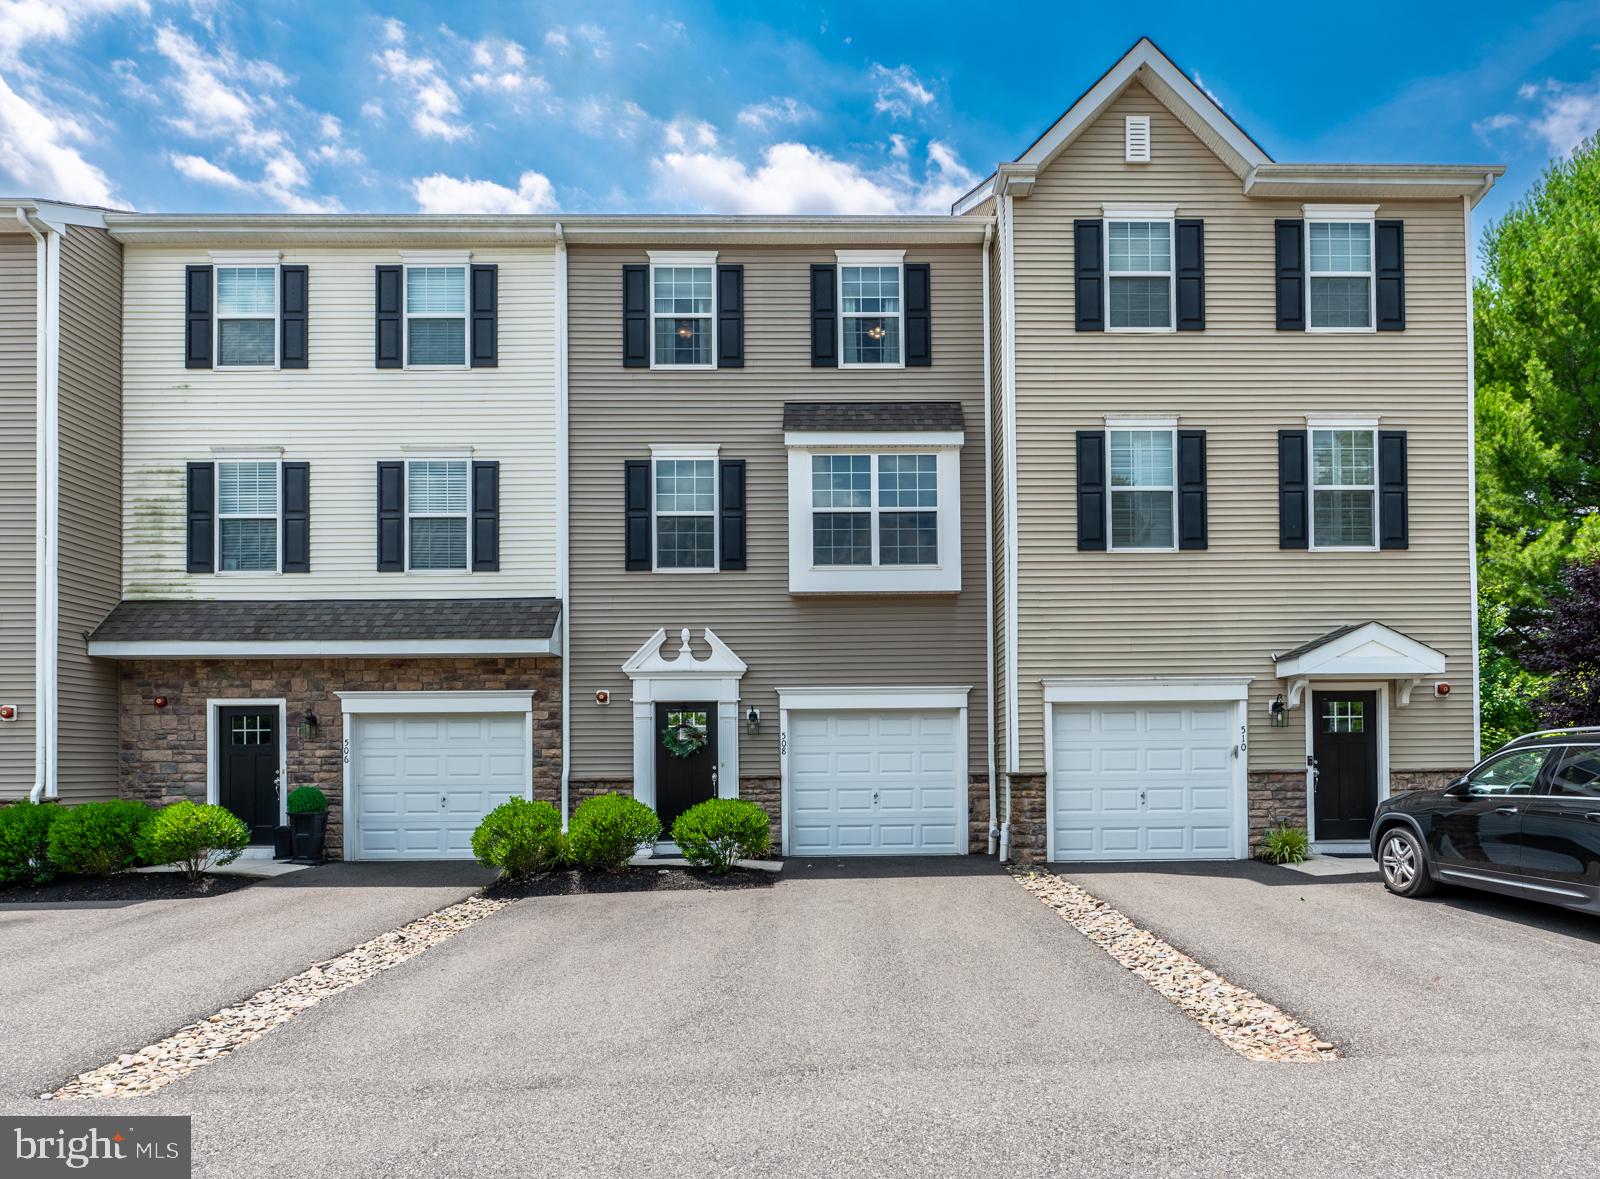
872,415
329,620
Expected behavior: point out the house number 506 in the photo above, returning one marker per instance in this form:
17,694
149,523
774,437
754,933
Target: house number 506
347,751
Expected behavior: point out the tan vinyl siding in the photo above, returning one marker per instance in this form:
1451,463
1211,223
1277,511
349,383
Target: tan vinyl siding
91,490
342,415
1227,610
618,413
18,507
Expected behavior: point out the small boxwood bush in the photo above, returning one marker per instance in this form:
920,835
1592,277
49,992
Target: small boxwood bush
607,829
25,842
520,837
306,800
196,838
1285,845
715,833
98,838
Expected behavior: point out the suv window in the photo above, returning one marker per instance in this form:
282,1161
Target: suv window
1511,773
1578,774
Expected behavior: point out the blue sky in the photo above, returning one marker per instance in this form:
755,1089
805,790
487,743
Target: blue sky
669,106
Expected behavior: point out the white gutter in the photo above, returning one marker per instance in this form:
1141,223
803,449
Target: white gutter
563,522
1472,478
988,549
1008,409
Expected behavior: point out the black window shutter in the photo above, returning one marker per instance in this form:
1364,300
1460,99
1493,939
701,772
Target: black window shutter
1191,489
485,318
730,316
389,317
486,517
391,517
1394,530
200,495
636,513
1089,284
730,509
1293,490
635,317
1191,262
1289,234
297,517
824,317
1390,256
197,317
919,315
292,323
1091,490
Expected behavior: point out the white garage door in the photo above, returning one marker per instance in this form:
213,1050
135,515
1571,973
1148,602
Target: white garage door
875,783
1143,782
422,783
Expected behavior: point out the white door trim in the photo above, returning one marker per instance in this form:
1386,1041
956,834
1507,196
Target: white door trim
213,705
1381,687
687,680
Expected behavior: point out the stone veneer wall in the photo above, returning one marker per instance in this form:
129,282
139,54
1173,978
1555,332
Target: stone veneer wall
1279,796
1028,818
163,750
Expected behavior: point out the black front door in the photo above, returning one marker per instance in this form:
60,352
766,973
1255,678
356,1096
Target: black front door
1345,746
247,767
681,782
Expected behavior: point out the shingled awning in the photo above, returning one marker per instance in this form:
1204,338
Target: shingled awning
844,417
365,627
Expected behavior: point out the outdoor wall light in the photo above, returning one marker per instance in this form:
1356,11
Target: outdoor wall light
752,721
308,726
1279,712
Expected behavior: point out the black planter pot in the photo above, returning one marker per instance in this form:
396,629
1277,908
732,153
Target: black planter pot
282,843
310,836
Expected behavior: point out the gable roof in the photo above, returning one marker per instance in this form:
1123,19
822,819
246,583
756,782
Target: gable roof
1363,649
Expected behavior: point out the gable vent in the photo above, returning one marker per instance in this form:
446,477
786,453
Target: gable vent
1136,139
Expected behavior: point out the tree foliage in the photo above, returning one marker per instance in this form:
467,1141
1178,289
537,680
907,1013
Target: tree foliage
1567,649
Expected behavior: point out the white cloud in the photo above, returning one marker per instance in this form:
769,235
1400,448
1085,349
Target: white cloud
499,65
561,39
900,91
37,158
1567,114
203,171
1207,91
558,40
899,147
373,110
25,21
761,115
447,194
690,133
435,109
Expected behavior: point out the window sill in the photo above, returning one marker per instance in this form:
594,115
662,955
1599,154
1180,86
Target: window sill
246,368
883,365
882,579
1344,548
1340,331
1140,331
692,368
679,570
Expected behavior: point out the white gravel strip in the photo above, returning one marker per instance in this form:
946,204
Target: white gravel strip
157,1065
1242,1020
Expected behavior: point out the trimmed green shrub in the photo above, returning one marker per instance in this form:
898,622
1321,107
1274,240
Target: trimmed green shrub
607,829
306,800
196,838
520,837
25,842
1285,845
98,838
716,833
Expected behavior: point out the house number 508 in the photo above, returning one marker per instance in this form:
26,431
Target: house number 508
783,743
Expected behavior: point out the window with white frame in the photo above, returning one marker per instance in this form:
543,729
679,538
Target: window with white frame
682,308
1139,273
685,491
1143,488
1340,289
871,309
436,315
247,516
437,514
874,509
247,316
1344,491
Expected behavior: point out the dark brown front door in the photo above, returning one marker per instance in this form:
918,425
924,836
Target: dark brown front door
681,782
247,767
1345,746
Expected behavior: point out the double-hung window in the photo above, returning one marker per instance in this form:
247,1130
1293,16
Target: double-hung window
1339,282
247,315
1143,489
874,509
438,506
1344,491
248,517
1139,269
685,491
436,312
872,308
682,310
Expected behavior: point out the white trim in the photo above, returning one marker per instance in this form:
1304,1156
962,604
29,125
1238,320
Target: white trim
1144,689
217,318
1008,381
870,257
436,451
435,257
314,648
213,735
563,517
246,258
277,496
1339,212
1312,487
879,258
407,514
873,439
1353,423
711,451
700,258
244,454
1141,212
1344,215
396,703
1380,688
436,260
1472,478
1146,215
1369,651
988,557
684,679
1112,490
1154,421
687,260
687,454
1136,146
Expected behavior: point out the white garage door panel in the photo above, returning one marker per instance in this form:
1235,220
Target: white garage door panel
1143,781
422,784
884,783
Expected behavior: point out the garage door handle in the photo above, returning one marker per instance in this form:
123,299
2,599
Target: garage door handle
443,800
1505,810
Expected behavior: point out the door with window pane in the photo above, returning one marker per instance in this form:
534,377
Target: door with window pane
1345,752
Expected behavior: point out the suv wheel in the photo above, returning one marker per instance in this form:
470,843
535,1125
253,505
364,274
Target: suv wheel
1400,858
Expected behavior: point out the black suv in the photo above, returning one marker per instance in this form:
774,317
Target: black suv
1525,821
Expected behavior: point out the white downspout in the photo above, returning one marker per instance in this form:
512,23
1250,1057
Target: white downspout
47,492
1472,481
563,525
1008,406
988,548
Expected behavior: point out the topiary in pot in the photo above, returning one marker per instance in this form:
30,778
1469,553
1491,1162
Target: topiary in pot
1283,844
196,838
719,831
307,800
98,838
308,822
25,842
606,831
520,837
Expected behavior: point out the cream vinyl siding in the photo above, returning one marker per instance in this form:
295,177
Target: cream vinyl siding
342,416
91,491
1227,610
18,464
619,413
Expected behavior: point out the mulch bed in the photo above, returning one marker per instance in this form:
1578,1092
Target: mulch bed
130,886
575,882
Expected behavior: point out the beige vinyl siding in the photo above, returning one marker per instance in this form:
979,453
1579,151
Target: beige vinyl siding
1227,610
18,507
617,414
342,416
90,507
